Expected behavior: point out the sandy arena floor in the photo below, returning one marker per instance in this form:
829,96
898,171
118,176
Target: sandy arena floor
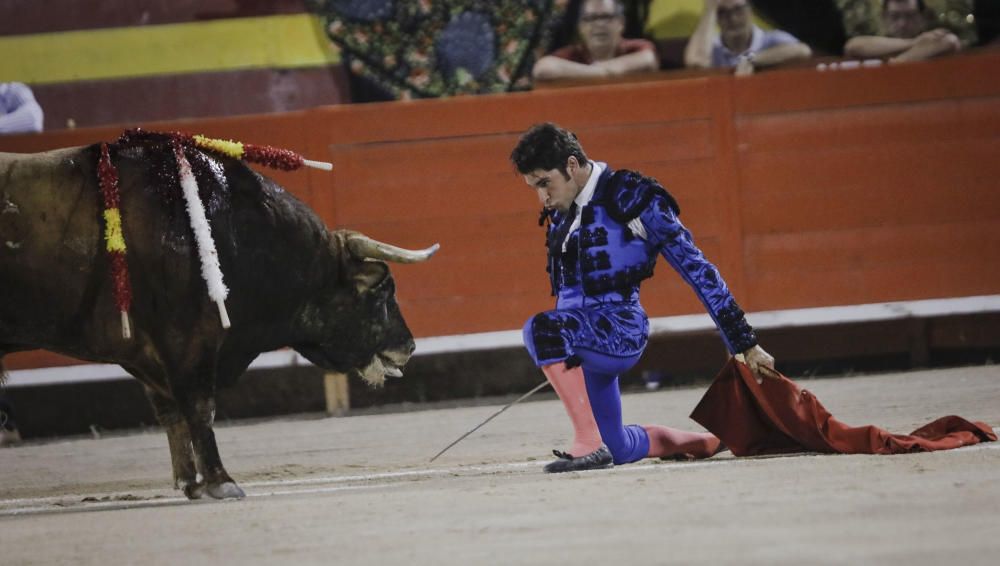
360,490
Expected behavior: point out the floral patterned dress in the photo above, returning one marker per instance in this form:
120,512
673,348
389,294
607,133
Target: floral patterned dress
434,48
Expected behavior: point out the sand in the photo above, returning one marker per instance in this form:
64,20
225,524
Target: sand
360,490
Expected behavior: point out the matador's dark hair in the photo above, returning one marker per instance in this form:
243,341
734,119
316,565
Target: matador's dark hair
546,146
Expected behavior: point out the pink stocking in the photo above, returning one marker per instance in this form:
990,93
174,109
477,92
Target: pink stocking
572,390
665,442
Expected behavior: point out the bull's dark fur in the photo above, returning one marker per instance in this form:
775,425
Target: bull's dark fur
292,283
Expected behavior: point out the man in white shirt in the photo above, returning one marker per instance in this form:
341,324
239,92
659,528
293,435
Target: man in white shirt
906,37
740,44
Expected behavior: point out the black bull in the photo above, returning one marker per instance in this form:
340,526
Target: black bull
292,283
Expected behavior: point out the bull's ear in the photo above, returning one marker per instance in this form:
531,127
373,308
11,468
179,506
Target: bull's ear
369,276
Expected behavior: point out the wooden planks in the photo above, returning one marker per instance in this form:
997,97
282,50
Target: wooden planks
965,76
857,197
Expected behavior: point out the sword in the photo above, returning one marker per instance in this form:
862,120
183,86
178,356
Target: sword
493,416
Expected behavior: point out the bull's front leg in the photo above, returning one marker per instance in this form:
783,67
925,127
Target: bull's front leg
179,439
199,411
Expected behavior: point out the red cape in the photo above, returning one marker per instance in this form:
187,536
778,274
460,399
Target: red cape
777,417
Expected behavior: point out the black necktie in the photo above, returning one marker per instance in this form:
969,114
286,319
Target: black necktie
558,236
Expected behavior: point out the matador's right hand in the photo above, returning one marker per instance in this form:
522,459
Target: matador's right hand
760,363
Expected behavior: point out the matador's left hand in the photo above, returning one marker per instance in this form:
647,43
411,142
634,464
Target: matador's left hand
760,363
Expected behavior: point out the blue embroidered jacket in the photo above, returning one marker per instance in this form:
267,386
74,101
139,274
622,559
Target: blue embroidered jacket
610,260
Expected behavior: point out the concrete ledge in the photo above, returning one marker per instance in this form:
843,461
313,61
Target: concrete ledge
461,377
488,341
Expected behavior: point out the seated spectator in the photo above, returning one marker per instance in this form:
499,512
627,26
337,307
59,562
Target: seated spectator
601,51
906,36
19,112
740,44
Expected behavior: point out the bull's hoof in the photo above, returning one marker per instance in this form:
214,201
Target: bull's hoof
194,490
227,490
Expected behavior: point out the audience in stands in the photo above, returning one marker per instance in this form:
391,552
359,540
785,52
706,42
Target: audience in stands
739,44
906,35
601,50
19,111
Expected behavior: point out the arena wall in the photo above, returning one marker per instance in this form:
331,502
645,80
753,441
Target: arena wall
806,188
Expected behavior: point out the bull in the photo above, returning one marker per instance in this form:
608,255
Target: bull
293,283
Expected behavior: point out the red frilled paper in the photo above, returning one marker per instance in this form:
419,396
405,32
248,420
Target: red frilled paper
777,417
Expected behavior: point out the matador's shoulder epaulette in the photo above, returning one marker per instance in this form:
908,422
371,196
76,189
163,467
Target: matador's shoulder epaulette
630,192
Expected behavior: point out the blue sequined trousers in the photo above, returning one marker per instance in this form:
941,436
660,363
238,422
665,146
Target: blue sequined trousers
605,335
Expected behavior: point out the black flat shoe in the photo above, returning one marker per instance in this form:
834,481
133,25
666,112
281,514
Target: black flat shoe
596,460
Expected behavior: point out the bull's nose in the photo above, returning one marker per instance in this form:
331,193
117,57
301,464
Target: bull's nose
411,347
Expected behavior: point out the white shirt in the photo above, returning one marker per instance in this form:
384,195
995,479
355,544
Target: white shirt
587,193
759,41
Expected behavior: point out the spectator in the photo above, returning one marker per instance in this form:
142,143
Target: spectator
601,51
905,36
19,112
740,44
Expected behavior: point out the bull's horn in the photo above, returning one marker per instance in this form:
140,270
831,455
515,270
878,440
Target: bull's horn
363,246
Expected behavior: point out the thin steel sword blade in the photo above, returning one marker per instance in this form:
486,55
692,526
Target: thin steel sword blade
493,416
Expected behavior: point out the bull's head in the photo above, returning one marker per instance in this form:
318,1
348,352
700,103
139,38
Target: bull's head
356,322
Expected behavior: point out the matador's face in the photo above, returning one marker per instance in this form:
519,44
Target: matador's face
556,191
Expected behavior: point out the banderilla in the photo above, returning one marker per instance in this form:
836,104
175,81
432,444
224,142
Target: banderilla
493,416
